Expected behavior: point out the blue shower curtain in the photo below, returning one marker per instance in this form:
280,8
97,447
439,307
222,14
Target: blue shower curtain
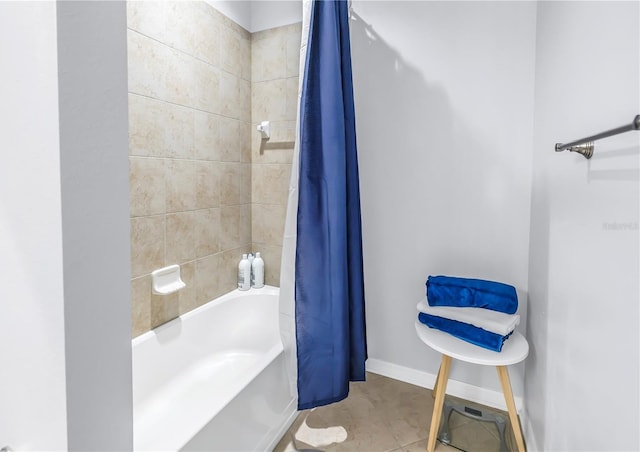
329,288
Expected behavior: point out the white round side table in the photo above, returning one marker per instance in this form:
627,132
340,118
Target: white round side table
514,350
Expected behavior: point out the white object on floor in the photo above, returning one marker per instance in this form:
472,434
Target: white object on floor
318,437
487,319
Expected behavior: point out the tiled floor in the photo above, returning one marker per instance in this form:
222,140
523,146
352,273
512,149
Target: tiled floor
383,414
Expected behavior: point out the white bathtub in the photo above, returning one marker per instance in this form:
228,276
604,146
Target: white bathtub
213,379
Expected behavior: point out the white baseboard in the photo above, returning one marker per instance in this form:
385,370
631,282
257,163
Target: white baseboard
456,388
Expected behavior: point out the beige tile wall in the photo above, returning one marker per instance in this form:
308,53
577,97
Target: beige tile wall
275,56
204,187
190,153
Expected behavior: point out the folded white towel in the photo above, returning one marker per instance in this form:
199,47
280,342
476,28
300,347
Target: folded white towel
494,321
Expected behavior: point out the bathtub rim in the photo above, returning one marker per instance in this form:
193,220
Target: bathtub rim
266,290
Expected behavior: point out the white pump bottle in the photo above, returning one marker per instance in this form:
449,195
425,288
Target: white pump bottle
244,274
258,271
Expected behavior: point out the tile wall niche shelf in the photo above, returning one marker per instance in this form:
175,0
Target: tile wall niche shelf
165,281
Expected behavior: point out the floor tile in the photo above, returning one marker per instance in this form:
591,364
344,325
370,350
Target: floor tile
382,415
406,409
421,446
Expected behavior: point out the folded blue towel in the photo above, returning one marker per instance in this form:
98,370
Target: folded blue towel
476,293
465,331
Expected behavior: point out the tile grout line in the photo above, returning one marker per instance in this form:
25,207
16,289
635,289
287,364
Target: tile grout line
195,57
189,107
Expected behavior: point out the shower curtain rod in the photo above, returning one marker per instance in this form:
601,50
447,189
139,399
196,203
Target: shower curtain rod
585,146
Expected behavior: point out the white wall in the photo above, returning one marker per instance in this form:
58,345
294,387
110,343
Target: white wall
260,15
271,14
65,351
94,175
444,104
237,10
582,374
32,379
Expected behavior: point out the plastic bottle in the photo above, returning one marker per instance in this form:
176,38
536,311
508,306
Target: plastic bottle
244,274
251,257
258,272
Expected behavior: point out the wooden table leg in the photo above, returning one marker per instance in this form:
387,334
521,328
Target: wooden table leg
435,386
441,388
511,406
